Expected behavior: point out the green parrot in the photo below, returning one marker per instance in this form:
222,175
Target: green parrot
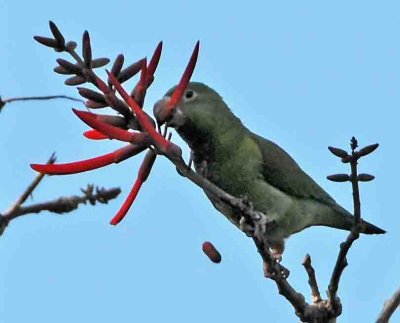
245,164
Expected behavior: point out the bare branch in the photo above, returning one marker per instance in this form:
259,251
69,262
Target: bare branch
389,307
312,281
64,204
68,203
341,261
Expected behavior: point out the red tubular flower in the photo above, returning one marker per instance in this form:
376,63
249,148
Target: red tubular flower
106,127
168,106
176,96
89,164
143,173
151,69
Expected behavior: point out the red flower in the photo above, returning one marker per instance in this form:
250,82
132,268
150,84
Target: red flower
138,141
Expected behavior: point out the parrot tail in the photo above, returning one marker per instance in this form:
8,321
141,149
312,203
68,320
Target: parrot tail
347,222
369,228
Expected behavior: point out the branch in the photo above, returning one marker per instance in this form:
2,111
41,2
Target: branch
389,307
341,261
312,281
38,98
63,204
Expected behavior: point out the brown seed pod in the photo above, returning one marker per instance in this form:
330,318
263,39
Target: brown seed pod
338,152
57,34
117,66
365,177
338,178
75,69
91,95
100,62
130,71
86,49
49,42
367,150
75,80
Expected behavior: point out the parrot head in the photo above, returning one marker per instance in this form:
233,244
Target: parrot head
199,104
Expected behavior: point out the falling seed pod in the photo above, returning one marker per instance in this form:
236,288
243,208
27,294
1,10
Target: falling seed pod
75,80
339,178
86,49
57,34
100,62
367,150
338,152
365,177
75,69
49,42
211,252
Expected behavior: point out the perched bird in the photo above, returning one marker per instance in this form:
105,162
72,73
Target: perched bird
245,164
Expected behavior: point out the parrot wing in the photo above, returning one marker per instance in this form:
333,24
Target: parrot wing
281,171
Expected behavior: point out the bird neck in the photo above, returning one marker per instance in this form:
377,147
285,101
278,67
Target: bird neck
213,137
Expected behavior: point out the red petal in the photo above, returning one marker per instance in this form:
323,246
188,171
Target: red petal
127,203
76,167
95,135
84,165
151,69
110,131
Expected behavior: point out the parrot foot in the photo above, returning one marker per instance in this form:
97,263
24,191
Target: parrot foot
247,227
268,273
277,248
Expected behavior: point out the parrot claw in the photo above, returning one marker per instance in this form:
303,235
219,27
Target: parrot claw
248,228
267,271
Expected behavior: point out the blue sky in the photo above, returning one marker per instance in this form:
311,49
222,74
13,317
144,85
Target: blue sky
305,75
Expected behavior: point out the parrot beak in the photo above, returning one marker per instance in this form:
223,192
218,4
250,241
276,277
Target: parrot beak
161,111
164,114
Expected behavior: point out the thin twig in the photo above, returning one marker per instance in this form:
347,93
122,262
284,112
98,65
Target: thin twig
29,190
389,307
41,98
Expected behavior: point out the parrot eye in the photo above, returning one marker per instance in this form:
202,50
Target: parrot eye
189,95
